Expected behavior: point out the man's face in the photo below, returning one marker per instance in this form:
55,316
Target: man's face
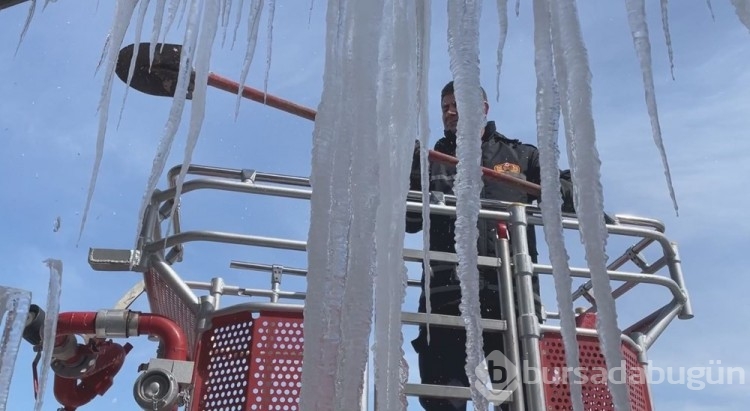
450,113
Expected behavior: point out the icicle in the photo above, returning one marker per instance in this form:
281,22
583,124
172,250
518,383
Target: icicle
463,48
26,25
158,19
269,46
174,6
502,14
711,10
518,8
237,23
639,29
401,80
50,325
325,245
547,117
742,8
208,29
175,113
182,15
226,10
253,23
574,77
105,49
14,308
667,35
309,16
138,28
424,19
123,13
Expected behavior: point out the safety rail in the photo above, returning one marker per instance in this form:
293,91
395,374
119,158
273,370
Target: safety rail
174,297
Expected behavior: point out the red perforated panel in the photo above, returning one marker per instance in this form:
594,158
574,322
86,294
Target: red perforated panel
596,396
276,370
222,369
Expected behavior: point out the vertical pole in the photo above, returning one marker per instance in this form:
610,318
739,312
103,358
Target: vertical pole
510,337
528,326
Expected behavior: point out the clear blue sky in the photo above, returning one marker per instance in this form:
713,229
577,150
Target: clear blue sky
48,100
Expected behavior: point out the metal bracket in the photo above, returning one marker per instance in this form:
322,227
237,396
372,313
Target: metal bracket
637,259
247,174
106,259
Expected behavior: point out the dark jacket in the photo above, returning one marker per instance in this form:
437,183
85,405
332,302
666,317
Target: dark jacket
499,153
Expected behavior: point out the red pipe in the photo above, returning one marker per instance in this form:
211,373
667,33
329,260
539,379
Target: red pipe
223,83
110,357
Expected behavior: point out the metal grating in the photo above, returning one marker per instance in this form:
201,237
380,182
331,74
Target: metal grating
596,396
276,369
222,370
164,301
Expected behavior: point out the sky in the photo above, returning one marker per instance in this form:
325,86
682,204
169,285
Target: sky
49,97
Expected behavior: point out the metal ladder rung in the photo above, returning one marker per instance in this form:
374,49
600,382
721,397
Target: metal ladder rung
449,321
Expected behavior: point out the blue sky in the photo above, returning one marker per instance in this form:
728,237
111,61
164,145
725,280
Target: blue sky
48,102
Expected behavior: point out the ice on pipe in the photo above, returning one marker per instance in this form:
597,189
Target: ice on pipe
14,308
399,80
463,49
423,24
574,77
50,325
639,28
547,118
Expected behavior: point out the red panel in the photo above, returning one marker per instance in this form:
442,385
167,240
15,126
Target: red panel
276,369
222,367
596,395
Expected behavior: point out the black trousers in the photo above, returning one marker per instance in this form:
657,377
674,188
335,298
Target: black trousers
442,359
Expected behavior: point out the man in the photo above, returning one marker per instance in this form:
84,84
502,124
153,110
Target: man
442,360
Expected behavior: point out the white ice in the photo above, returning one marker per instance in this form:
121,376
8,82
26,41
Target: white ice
123,13
27,24
742,8
269,45
502,15
547,117
253,24
14,307
237,22
463,49
50,325
138,29
172,9
667,35
156,29
574,78
423,24
639,29
397,119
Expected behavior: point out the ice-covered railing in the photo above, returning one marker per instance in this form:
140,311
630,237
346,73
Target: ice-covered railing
169,294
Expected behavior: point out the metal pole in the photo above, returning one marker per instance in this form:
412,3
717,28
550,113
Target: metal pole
510,337
528,325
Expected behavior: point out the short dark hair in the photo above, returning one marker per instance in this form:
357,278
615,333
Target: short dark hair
448,89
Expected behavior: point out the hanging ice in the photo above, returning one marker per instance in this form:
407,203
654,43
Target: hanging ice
253,23
463,48
237,23
667,35
138,28
123,13
742,8
574,77
26,25
50,325
14,307
547,118
399,79
338,312
269,46
639,29
502,14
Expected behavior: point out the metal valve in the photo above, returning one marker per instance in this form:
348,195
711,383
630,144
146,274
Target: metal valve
156,390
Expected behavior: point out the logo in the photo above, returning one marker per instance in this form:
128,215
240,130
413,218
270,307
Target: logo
508,168
497,377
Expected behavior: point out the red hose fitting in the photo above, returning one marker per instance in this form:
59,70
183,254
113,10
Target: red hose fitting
170,334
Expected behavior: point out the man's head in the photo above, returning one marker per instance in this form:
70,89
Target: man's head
450,111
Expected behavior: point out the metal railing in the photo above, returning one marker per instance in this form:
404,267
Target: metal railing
156,255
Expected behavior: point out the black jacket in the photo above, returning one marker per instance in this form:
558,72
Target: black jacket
499,153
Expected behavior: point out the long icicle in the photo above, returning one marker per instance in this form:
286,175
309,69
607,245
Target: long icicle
547,118
424,18
574,77
463,48
667,35
136,42
639,29
742,8
27,24
502,15
269,46
253,24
